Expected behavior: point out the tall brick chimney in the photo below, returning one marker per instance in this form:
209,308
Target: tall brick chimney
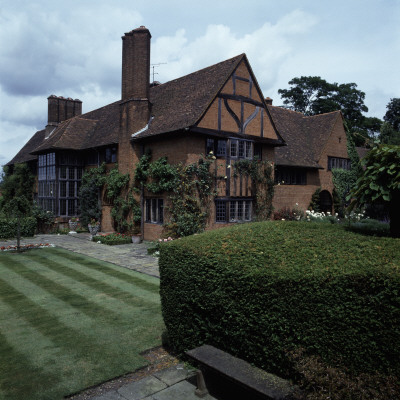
60,109
135,91
136,64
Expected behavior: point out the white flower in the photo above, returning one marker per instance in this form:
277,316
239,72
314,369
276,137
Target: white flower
99,242
211,152
225,177
297,204
229,165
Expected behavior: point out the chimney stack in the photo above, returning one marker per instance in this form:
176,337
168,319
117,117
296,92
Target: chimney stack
268,101
60,109
136,64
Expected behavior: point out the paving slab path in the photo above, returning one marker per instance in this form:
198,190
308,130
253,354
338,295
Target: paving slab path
132,256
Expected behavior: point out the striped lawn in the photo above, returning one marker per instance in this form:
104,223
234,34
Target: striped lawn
68,322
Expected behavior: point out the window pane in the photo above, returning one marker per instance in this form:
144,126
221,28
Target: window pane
209,146
239,216
220,211
63,189
63,172
232,211
221,148
63,207
71,189
71,173
249,146
241,148
247,210
160,210
234,145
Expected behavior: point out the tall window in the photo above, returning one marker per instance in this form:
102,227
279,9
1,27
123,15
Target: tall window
233,210
155,211
47,193
59,183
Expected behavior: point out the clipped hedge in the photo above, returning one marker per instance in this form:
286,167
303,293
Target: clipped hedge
260,290
8,227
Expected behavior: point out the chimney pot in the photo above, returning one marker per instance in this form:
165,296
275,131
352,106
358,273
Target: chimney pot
268,100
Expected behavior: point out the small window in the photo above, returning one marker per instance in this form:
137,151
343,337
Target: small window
221,148
290,176
220,210
338,162
239,210
154,211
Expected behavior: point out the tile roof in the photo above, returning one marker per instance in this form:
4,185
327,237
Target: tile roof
175,105
93,129
24,155
181,103
305,136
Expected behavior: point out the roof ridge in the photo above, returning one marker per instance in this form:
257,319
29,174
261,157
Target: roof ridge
240,56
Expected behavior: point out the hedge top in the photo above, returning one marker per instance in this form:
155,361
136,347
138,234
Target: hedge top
274,248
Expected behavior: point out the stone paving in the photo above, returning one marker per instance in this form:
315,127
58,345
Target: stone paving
132,256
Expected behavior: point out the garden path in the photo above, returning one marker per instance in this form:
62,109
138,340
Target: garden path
132,256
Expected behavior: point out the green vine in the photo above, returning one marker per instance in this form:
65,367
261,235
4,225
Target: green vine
125,211
262,184
92,182
190,189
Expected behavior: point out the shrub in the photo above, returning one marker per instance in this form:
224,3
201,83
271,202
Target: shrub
112,239
288,214
8,227
370,227
259,290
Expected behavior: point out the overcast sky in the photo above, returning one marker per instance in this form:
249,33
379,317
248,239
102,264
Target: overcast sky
73,49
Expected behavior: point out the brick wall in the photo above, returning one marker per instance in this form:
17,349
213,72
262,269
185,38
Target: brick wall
289,195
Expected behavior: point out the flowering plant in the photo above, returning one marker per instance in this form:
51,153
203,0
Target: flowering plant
74,219
94,222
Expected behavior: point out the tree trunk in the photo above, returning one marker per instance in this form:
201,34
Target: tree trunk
394,214
18,233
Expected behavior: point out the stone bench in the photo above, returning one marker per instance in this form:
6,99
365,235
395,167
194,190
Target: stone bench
228,377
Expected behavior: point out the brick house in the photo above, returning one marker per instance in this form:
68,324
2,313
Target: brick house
220,109
315,145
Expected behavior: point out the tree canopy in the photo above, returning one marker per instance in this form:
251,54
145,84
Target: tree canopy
313,95
379,183
392,115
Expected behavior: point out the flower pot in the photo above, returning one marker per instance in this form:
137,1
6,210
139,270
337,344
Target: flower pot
72,226
136,239
93,229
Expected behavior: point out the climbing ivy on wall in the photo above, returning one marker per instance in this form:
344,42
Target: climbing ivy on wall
192,188
125,209
262,184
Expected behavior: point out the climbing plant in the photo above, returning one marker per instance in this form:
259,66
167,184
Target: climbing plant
262,184
189,188
89,194
125,211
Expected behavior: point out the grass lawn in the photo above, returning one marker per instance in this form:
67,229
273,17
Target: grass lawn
68,322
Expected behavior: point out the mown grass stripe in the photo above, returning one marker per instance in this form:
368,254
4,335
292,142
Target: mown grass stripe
111,280
133,277
97,284
42,320
18,374
69,296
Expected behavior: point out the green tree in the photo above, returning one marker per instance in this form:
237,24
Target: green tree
313,95
392,115
380,183
388,135
17,182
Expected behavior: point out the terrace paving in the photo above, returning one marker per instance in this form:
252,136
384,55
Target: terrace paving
132,256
